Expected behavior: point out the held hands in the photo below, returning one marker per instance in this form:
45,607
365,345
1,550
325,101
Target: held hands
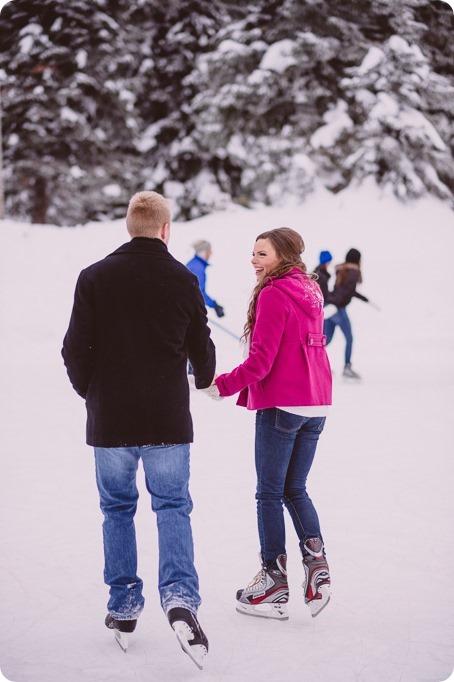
212,391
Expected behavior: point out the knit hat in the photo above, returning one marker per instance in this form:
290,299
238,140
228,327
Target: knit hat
353,256
201,245
325,257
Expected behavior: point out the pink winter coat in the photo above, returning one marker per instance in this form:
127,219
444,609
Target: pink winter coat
287,363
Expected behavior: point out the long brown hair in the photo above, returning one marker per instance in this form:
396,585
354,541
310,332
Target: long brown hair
289,246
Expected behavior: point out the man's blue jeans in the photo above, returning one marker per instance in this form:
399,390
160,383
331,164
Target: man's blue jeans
342,320
167,479
285,446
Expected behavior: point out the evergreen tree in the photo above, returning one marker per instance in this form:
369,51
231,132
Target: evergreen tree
66,110
221,101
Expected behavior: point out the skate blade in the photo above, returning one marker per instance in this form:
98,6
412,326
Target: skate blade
317,605
265,610
122,639
196,652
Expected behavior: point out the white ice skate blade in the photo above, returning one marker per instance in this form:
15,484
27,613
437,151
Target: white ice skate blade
317,605
122,639
196,652
265,610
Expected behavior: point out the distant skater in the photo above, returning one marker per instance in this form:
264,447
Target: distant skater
198,265
138,315
321,271
348,275
287,379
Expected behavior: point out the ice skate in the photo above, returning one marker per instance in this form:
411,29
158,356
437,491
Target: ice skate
121,629
267,594
317,581
349,373
192,639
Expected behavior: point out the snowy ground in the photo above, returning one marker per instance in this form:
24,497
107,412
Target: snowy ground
382,480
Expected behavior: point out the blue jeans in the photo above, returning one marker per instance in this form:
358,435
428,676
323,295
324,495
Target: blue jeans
342,320
285,446
167,478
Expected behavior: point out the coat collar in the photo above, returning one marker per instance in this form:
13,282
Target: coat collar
143,245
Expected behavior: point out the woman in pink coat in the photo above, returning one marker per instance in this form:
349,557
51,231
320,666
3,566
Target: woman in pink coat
287,379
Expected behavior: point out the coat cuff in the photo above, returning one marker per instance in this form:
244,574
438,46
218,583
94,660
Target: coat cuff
220,383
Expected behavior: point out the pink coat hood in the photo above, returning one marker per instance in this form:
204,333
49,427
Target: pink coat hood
287,363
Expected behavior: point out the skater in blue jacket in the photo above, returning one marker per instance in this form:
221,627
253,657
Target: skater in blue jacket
198,265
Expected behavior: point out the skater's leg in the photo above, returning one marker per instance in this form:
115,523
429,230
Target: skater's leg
274,438
296,498
167,478
116,480
329,327
346,328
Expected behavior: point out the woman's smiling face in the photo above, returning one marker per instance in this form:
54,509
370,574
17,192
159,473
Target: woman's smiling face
264,258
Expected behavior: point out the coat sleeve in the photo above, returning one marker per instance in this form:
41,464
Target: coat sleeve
271,315
361,297
201,350
78,345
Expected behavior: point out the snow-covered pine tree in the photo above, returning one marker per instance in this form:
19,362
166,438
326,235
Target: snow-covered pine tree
275,107
210,103
172,35
383,125
67,124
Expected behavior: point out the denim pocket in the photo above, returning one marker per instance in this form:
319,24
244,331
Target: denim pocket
288,422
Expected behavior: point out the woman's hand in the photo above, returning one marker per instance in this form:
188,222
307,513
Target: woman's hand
213,392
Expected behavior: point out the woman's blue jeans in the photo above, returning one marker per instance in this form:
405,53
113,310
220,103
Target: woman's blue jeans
285,446
167,479
342,320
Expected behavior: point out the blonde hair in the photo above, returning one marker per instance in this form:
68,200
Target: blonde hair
147,213
289,246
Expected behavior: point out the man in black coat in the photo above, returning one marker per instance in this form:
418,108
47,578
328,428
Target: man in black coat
138,316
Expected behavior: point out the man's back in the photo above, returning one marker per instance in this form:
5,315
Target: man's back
143,312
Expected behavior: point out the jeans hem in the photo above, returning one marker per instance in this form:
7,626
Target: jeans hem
178,604
134,615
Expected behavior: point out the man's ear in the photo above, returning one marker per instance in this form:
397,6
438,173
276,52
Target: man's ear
165,233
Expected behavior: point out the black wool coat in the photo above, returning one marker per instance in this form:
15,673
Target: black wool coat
138,315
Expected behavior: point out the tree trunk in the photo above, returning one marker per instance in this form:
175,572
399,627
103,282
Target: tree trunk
40,201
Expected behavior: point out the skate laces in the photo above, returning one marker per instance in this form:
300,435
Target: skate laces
257,581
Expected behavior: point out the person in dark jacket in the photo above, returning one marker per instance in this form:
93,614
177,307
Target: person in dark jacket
348,275
138,315
198,265
322,273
